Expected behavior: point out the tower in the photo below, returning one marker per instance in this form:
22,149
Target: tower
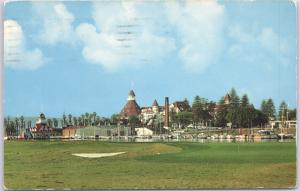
131,96
166,124
131,108
155,107
41,123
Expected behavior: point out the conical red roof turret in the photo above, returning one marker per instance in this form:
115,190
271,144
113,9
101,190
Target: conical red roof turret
155,103
131,108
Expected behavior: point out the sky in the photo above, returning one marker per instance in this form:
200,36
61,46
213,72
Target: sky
85,56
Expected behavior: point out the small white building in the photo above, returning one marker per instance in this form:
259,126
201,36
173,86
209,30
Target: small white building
143,132
280,124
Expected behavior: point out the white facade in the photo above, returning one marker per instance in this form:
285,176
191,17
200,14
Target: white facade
143,132
287,124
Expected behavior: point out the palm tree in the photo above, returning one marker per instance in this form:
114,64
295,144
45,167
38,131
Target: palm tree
8,120
5,126
133,122
98,120
49,122
75,121
55,122
90,118
11,129
22,122
82,120
70,119
94,118
5,122
62,122
29,124
87,115
64,119
17,125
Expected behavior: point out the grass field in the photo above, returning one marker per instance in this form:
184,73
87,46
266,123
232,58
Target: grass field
38,164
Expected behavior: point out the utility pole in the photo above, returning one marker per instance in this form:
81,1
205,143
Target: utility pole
287,119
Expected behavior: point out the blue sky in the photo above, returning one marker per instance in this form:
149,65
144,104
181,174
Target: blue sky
77,57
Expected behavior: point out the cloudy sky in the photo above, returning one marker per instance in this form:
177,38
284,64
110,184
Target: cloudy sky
77,57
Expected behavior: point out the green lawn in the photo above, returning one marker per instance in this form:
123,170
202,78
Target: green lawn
38,164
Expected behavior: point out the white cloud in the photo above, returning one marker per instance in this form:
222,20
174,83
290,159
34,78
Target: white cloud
16,54
269,39
56,23
127,33
262,46
120,40
200,27
237,33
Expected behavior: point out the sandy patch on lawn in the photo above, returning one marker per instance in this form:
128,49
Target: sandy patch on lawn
97,155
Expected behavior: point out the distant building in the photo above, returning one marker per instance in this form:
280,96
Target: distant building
227,99
131,108
179,106
147,114
150,112
69,132
143,132
283,124
42,130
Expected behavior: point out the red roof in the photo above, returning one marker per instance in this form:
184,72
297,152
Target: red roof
131,109
181,105
155,103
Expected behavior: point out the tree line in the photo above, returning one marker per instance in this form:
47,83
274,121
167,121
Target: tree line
13,126
237,112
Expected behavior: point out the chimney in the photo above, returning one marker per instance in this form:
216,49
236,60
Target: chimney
166,112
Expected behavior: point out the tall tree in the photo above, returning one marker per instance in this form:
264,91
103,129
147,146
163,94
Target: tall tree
115,118
83,120
80,121
64,119
233,114
200,109
267,108
158,122
5,123
55,122
29,124
259,118
292,114
17,125
271,108
49,122
87,116
184,118
172,117
98,121
11,128
197,109
211,110
245,111
75,120
62,122
186,105
8,120
283,109
94,118
70,119
133,123
221,114
22,122
263,106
